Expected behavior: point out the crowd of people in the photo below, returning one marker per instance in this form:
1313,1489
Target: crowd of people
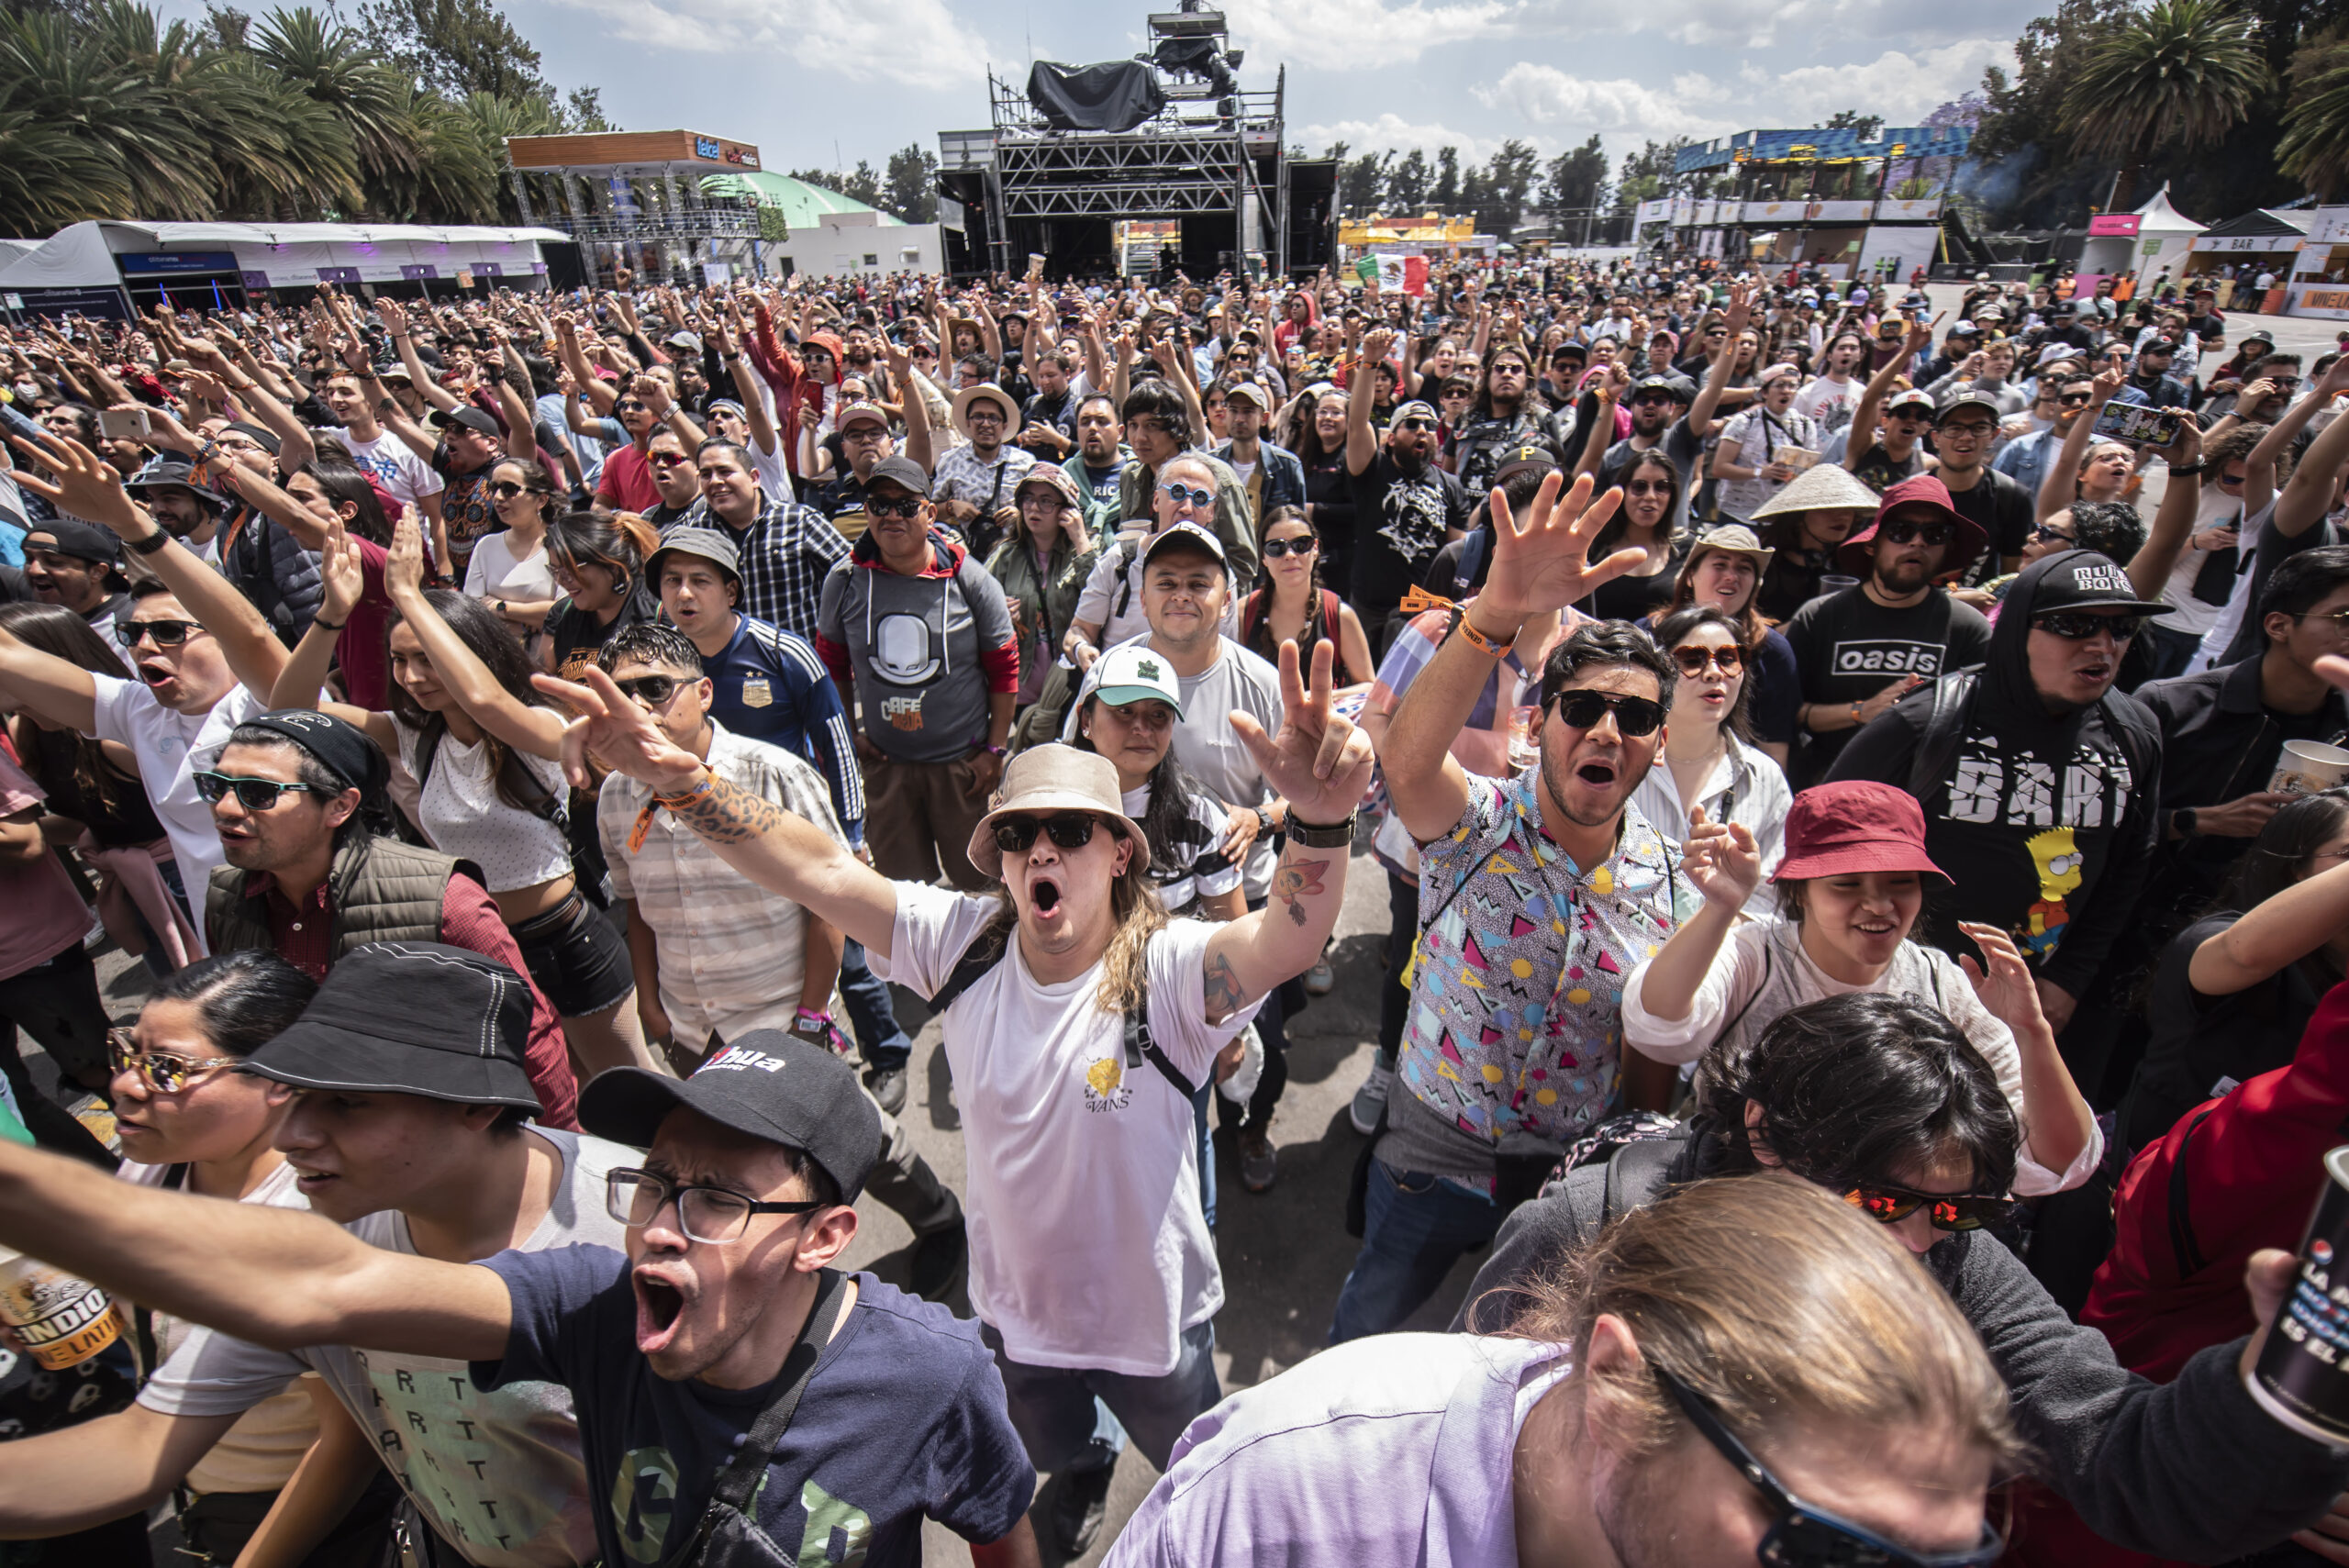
1861,815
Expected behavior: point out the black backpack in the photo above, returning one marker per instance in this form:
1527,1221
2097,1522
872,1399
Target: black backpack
1953,704
988,951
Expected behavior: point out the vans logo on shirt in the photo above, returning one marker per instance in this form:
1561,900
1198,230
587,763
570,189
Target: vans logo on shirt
1105,1085
1886,656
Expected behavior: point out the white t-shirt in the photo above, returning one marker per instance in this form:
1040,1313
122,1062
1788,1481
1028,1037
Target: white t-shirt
259,1453
1088,1246
404,475
497,573
1207,744
2189,614
170,748
1830,403
463,814
498,1474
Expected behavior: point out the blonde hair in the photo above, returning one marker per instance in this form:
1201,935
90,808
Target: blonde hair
1777,1304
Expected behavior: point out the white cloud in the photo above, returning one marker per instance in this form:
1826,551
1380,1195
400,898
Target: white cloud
1392,130
1547,99
1347,35
912,43
1902,87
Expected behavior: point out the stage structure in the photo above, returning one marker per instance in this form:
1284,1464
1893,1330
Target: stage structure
635,199
1170,135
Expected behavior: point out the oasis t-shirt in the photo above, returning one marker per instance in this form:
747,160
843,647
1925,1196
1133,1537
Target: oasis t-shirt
903,1420
1848,647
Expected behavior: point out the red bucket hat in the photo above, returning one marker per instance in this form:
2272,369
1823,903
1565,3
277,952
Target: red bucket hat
1853,825
1930,494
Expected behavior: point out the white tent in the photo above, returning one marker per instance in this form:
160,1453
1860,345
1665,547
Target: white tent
2142,242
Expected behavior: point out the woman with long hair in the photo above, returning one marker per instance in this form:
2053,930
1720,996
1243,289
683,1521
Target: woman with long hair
509,569
1041,564
97,804
1851,886
597,560
1804,525
1723,572
486,750
1650,486
1329,494
1708,770
1293,607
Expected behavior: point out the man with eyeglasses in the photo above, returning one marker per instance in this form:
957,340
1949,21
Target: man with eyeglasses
1535,891
865,440
2043,779
718,958
413,1125
1406,508
1965,426
972,486
1860,651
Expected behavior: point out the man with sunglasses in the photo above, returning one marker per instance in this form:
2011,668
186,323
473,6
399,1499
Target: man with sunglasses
2039,778
676,481
1534,888
1885,442
1862,650
1406,508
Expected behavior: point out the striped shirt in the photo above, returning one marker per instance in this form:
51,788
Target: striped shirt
731,954
786,552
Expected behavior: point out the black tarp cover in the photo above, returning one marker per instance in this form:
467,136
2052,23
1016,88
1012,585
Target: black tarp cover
1117,96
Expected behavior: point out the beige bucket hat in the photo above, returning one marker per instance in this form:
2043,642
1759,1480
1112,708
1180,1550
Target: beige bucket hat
1055,777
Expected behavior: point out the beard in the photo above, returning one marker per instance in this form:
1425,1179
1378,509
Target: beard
1412,463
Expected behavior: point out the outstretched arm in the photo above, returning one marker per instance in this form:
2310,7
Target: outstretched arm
275,1277
1879,387
1361,445
1321,764
780,852
2060,484
82,1476
538,730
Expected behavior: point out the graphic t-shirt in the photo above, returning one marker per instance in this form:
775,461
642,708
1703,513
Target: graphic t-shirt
465,508
496,1474
903,1420
1401,521
1848,647
393,465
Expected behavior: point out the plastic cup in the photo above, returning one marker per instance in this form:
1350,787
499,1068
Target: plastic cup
2302,1375
2307,766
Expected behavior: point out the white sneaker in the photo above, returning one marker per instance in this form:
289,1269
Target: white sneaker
1370,1100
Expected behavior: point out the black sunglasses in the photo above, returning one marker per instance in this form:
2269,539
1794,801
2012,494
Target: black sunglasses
628,405
1634,716
1068,830
654,689
2074,399
1903,529
1276,548
253,794
166,633
1803,1536
2044,534
910,507
2078,626
1889,1205
505,490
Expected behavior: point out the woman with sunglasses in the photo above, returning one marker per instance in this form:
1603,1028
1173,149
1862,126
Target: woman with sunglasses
509,569
597,560
1850,889
1889,1107
1293,607
1709,767
485,749
2232,488
190,1120
1650,486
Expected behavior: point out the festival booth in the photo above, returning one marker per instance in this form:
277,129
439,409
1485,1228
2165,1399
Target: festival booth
2136,244
2320,285
2269,240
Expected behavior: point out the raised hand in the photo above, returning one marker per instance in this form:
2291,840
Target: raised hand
81,484
1721,860
341,574
621,735
2004,985
1318,762
394,319
404,572
1545,564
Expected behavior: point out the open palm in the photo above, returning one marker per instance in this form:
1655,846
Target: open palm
1545,564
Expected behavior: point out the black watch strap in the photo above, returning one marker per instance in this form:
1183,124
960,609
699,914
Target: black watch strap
1313,836
2183,820
148,545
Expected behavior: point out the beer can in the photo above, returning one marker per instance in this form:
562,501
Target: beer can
62,1320
2302,1375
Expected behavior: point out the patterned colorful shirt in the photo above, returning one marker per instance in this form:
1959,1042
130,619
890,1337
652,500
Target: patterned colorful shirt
1516,988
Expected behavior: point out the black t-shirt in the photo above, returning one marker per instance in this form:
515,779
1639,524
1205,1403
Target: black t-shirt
1401,521
2002,508
1680,442
1632,597
2200,1040
466,508
1060,413
1848,647
1879,472
579,637
905,1419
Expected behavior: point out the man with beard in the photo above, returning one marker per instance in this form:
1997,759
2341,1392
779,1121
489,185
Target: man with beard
1862,650
189,511
1507,415
1101,466
2024,459
1048,423
2036,776
1406,508
1535,892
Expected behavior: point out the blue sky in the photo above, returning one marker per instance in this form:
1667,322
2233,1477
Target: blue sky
800,77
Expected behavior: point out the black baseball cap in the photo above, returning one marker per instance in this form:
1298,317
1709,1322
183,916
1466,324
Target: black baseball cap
341,749
1676,386
472,418
902,470
422,1018
78,539
769,1084
2088,580
1524,455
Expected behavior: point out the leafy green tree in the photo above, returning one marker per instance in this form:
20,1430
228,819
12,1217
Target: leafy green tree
1575,180
1852,120
2183,72
2316,127
1407,182
1445,195
457,48
911,185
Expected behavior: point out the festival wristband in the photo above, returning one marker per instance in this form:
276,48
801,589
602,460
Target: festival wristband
1466,630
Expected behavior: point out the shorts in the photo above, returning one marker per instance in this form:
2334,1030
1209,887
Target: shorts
576,960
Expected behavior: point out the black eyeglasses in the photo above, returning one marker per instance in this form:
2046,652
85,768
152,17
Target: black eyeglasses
1889,1205
909,506
1902,530
2078,626
253,794
1634,716
713,1215
1807,1536
1276,548
2074,399
166,633
1069,830
653,689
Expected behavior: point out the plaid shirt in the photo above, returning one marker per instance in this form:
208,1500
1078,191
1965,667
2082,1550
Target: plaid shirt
786,553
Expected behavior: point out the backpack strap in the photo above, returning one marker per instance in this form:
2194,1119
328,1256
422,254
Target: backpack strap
1472,556
1944,732
1636,1173
1141,1047
976,959
2185,1247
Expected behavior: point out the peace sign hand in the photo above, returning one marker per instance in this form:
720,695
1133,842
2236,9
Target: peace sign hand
1318,762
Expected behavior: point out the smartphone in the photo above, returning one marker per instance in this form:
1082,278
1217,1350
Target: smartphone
2137,424
125,424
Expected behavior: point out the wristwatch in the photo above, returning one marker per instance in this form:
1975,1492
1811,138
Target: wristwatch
2183,820
1315,836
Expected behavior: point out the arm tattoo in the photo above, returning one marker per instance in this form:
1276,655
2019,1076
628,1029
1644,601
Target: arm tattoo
729,814
1296,880
1224,992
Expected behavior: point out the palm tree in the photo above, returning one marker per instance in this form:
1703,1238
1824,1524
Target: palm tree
2316,127
2183,72
336,68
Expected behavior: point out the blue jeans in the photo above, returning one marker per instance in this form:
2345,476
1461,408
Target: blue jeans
2173,650
1056,1410
870,1011
1415,1227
